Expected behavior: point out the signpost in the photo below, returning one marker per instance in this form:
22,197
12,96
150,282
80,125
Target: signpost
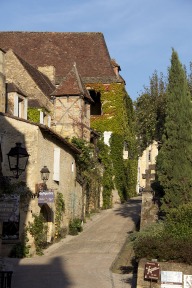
152,271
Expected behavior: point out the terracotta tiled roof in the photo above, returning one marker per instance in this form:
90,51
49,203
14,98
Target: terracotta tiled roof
61,50
72,85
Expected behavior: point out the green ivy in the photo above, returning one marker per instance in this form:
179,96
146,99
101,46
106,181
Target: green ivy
38,229
89,170
107,183
33,114
59,210
118,117
75,226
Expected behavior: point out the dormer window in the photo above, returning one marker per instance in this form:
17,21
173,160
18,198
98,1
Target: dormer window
16,102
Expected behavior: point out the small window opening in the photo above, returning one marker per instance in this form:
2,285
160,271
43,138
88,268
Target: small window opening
96,106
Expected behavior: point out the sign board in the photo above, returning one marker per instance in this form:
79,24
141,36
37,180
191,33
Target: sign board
152,271
171,279
187,281
46,197
9,208
170,285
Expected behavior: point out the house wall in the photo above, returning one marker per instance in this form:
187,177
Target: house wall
72,117
41,146
148,157
2,82
23,80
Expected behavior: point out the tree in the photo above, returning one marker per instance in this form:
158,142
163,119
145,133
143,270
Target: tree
150,112
174,161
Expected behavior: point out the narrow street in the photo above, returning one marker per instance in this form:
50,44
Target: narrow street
82,261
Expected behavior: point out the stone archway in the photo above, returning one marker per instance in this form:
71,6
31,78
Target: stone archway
47,214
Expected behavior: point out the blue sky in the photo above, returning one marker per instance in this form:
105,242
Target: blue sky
140,34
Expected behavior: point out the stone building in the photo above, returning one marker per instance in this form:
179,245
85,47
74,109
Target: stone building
146,167
45,147
50,75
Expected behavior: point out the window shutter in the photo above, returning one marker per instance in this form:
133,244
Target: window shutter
16,105
25,108
56,164
41,117
49,121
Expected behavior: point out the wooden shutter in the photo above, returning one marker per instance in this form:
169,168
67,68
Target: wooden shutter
56,164
16,105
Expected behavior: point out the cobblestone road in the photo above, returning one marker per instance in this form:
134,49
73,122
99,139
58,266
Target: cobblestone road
82,261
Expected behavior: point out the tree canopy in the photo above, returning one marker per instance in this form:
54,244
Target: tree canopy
174,161
150,112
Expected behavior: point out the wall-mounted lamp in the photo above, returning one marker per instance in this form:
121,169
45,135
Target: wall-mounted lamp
45,174
18,158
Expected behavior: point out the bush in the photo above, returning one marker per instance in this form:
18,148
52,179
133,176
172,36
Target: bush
75,226
20,250
178,222
155,242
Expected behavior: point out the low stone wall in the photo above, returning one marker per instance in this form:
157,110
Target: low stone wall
148,209
164,266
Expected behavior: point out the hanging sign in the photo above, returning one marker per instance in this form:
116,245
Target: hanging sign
46,197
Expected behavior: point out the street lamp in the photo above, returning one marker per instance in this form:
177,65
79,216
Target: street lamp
45,174
17,158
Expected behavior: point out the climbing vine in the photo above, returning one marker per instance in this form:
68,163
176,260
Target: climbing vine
33,114
59,210
88,173
38,229
118,117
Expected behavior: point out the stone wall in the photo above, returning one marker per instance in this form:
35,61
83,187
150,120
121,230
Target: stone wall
40,145
23,80
2,82
72,117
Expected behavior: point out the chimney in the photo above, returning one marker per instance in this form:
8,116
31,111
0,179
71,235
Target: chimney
48,71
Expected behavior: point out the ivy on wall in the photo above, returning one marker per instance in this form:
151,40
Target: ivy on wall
118,117
59,210
33,114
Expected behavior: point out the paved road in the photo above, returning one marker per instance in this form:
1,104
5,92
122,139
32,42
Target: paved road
82,261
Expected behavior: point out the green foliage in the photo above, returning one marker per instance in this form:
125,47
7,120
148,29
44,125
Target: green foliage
21,250
107,182
88,170
116,143
157,242
75,226
118,117
174,167
33,114
38,229
178,222
59,210
150,112
167,240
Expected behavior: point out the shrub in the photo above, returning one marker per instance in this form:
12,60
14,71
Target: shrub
75,226
155,242
38,229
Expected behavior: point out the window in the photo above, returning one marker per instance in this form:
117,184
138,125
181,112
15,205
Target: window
56,164
149,156
20,106
96,106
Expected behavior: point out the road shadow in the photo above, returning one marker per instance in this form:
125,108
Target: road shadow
29,273
130,209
